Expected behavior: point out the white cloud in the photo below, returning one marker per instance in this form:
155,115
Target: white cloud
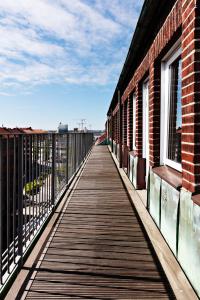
5,94
79,41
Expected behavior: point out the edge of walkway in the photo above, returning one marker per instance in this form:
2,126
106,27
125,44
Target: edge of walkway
24,274
180,284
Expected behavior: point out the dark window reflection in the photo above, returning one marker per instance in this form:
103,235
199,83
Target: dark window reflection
175,113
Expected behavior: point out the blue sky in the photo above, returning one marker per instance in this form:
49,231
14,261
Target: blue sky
60,59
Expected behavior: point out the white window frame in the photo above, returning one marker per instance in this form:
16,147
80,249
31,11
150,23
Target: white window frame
145,118
171,56
134,121
145,126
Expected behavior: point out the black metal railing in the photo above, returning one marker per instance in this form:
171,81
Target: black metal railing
35,170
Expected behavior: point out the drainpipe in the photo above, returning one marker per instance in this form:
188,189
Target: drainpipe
120,129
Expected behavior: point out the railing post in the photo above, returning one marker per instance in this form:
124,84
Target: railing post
20,196
1,214
53,170
8,214
67,159
75,152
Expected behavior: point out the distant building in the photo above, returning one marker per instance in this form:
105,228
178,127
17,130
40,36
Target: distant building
63,128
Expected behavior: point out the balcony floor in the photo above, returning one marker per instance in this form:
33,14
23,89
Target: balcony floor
99,249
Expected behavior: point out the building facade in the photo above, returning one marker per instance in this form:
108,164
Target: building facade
153,123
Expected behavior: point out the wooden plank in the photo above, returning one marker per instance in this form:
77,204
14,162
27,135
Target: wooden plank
99,249
26,271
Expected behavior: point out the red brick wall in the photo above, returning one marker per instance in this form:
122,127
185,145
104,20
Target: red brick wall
118,124
185,15
191,95
166,33
138,94
130,122
154,113
124,125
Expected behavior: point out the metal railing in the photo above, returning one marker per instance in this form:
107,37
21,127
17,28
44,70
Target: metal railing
35,170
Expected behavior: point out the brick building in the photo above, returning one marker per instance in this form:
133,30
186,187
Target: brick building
153,123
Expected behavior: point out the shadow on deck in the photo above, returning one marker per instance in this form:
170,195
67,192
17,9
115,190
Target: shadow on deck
98,248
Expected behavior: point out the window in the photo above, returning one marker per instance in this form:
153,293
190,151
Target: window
145,117
171,110
134,122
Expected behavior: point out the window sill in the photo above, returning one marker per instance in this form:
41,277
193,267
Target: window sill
171,176
196,199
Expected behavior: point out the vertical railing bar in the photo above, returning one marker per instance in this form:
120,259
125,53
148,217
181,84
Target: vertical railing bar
31,185
67,160
49,168
81,147
1,206
75,151
26,183
44,174
45,177
20,197
40,162
42,177
8,200
32,213
69,157
14,197
79,161
36,177
85,145
53,171
34,181
47,172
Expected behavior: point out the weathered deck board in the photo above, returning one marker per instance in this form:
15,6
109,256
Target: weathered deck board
99,249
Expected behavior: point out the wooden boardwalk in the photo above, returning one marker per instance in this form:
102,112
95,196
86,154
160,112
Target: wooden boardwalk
99,249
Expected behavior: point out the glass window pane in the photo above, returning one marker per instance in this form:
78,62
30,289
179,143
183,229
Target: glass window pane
175,113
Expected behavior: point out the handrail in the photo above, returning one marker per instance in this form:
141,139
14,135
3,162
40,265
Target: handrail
35,169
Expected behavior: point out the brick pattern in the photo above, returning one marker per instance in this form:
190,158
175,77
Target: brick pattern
109,127
130,123
191,95
154,113
185,13
118,133
124,125
138,94
115,127
170,27
112,127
